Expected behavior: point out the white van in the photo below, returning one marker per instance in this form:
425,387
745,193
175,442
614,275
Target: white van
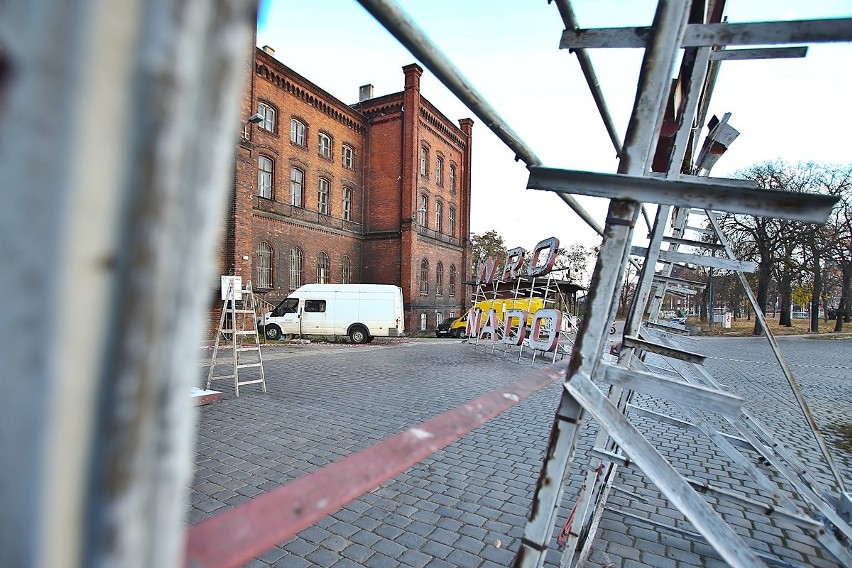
361,311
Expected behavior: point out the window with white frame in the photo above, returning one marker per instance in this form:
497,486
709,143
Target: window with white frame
347,203
422,210
324,145
453,178
424,161
452,222
424,277
268,114
422,322
322,268
297,186
439,317
348,157
439,170
264,177
322,196
295,268
439,279
451,289
439,216
264,266
297,132
345,270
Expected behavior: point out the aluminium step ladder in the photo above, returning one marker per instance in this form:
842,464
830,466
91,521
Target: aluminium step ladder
238,321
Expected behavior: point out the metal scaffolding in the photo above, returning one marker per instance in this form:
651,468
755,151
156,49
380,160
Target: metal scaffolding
666,170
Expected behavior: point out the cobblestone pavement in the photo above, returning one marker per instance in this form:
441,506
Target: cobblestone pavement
466,505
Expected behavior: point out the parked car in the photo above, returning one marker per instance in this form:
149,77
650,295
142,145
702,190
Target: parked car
361,311
457,327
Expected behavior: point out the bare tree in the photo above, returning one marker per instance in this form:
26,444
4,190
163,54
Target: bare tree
575,260
840,244
784,249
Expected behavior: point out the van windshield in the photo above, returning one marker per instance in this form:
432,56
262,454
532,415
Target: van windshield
288,306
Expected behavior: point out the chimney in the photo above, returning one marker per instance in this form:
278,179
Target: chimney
365,92
268,50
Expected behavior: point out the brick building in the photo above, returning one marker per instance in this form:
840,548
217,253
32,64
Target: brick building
374,192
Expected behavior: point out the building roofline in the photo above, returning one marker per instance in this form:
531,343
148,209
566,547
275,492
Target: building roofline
306,84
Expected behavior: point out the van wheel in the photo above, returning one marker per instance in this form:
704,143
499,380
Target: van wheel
371,338
457,333
272,332
358,334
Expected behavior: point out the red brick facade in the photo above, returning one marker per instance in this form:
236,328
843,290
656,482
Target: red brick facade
367,201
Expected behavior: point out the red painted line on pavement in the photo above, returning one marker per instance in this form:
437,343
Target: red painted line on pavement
237,535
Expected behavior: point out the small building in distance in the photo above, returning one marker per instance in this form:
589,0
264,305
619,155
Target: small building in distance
376,192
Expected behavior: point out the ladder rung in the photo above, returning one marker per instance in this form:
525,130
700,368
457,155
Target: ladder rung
247,332
247,365
693,243
675,280
230,311
221,377
621,460
669,327
254,382
678,392
700,230
255,348
708,261
664,350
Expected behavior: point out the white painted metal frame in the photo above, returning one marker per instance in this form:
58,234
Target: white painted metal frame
123,117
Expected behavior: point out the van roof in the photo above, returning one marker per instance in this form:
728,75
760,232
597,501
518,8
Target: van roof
347,288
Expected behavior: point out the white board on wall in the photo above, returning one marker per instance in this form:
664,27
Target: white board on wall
238,287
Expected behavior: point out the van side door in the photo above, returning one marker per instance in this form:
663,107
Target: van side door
315,317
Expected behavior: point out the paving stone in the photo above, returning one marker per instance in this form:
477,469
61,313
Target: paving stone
357,552
292,562
462,558
415,558
480,487
323,557
437,549
381,561
389,548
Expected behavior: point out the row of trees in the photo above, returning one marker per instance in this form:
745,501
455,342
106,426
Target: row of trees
797,263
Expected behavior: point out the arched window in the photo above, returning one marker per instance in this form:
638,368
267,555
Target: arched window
347,203
324,145
322,196
268,114
295,268
424,161
439,170
348,157
297,186
424,277
423,210
264,266
452,222
264,177
297,132
452,285
453,178
346,270
439,279
322,268
439,216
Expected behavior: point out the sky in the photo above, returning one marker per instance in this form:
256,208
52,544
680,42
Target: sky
791,109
